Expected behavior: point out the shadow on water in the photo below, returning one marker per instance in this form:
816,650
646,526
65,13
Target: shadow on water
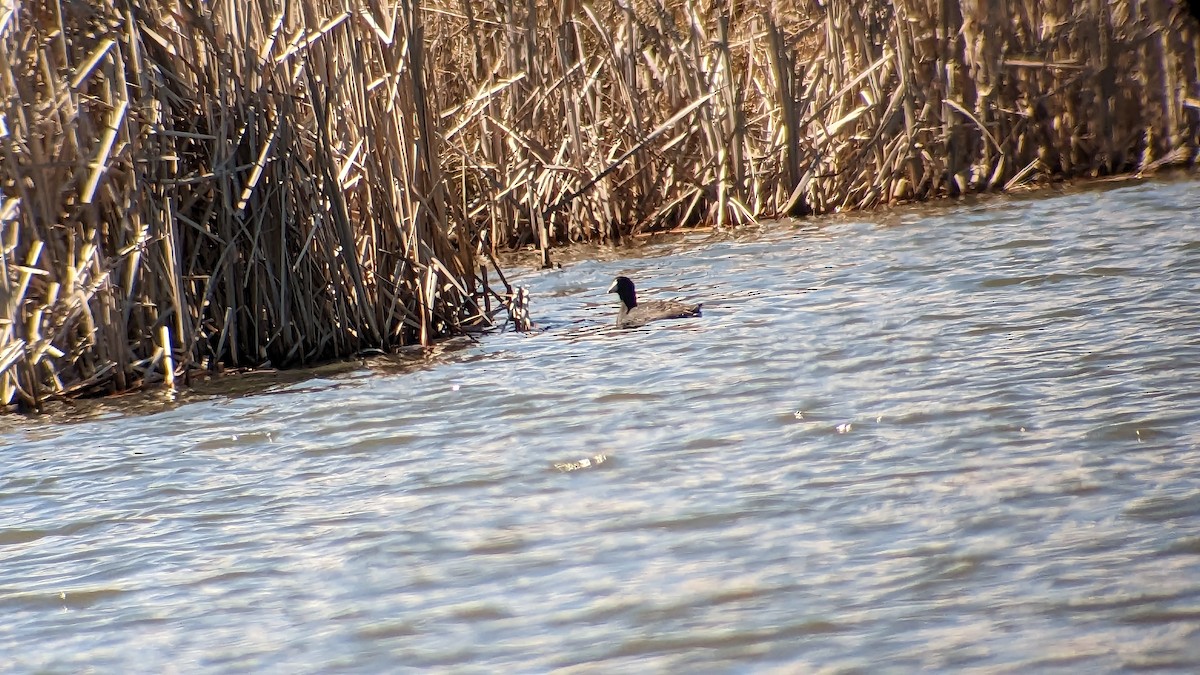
260,382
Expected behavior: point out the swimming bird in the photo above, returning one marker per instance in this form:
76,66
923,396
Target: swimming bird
633,315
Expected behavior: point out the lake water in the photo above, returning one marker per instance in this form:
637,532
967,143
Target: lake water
953,438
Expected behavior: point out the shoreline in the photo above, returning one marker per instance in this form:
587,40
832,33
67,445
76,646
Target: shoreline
152,397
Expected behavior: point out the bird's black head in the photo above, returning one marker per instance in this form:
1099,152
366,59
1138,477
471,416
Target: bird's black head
623,287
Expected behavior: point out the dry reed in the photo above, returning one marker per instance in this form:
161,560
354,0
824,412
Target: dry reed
195,185
220,185
594,120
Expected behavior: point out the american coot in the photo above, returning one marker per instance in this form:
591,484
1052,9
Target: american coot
633,315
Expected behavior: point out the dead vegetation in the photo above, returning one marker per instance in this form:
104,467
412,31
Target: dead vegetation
199,185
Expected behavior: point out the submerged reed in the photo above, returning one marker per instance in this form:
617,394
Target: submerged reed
199,185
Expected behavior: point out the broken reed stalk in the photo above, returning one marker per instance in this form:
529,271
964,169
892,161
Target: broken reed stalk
296,180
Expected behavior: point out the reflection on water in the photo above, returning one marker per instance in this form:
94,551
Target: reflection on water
954,438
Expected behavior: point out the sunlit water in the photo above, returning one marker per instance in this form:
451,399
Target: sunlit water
941,439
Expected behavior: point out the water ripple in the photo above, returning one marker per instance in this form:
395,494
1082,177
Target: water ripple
964,439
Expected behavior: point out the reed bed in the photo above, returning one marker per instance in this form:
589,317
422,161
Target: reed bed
221,185
586,121
193,185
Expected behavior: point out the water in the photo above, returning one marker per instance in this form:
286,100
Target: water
961,438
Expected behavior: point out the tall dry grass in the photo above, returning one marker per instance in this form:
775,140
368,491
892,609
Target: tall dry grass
220,184
194,184
579,121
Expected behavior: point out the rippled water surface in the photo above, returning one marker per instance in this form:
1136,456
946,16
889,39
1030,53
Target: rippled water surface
940,439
